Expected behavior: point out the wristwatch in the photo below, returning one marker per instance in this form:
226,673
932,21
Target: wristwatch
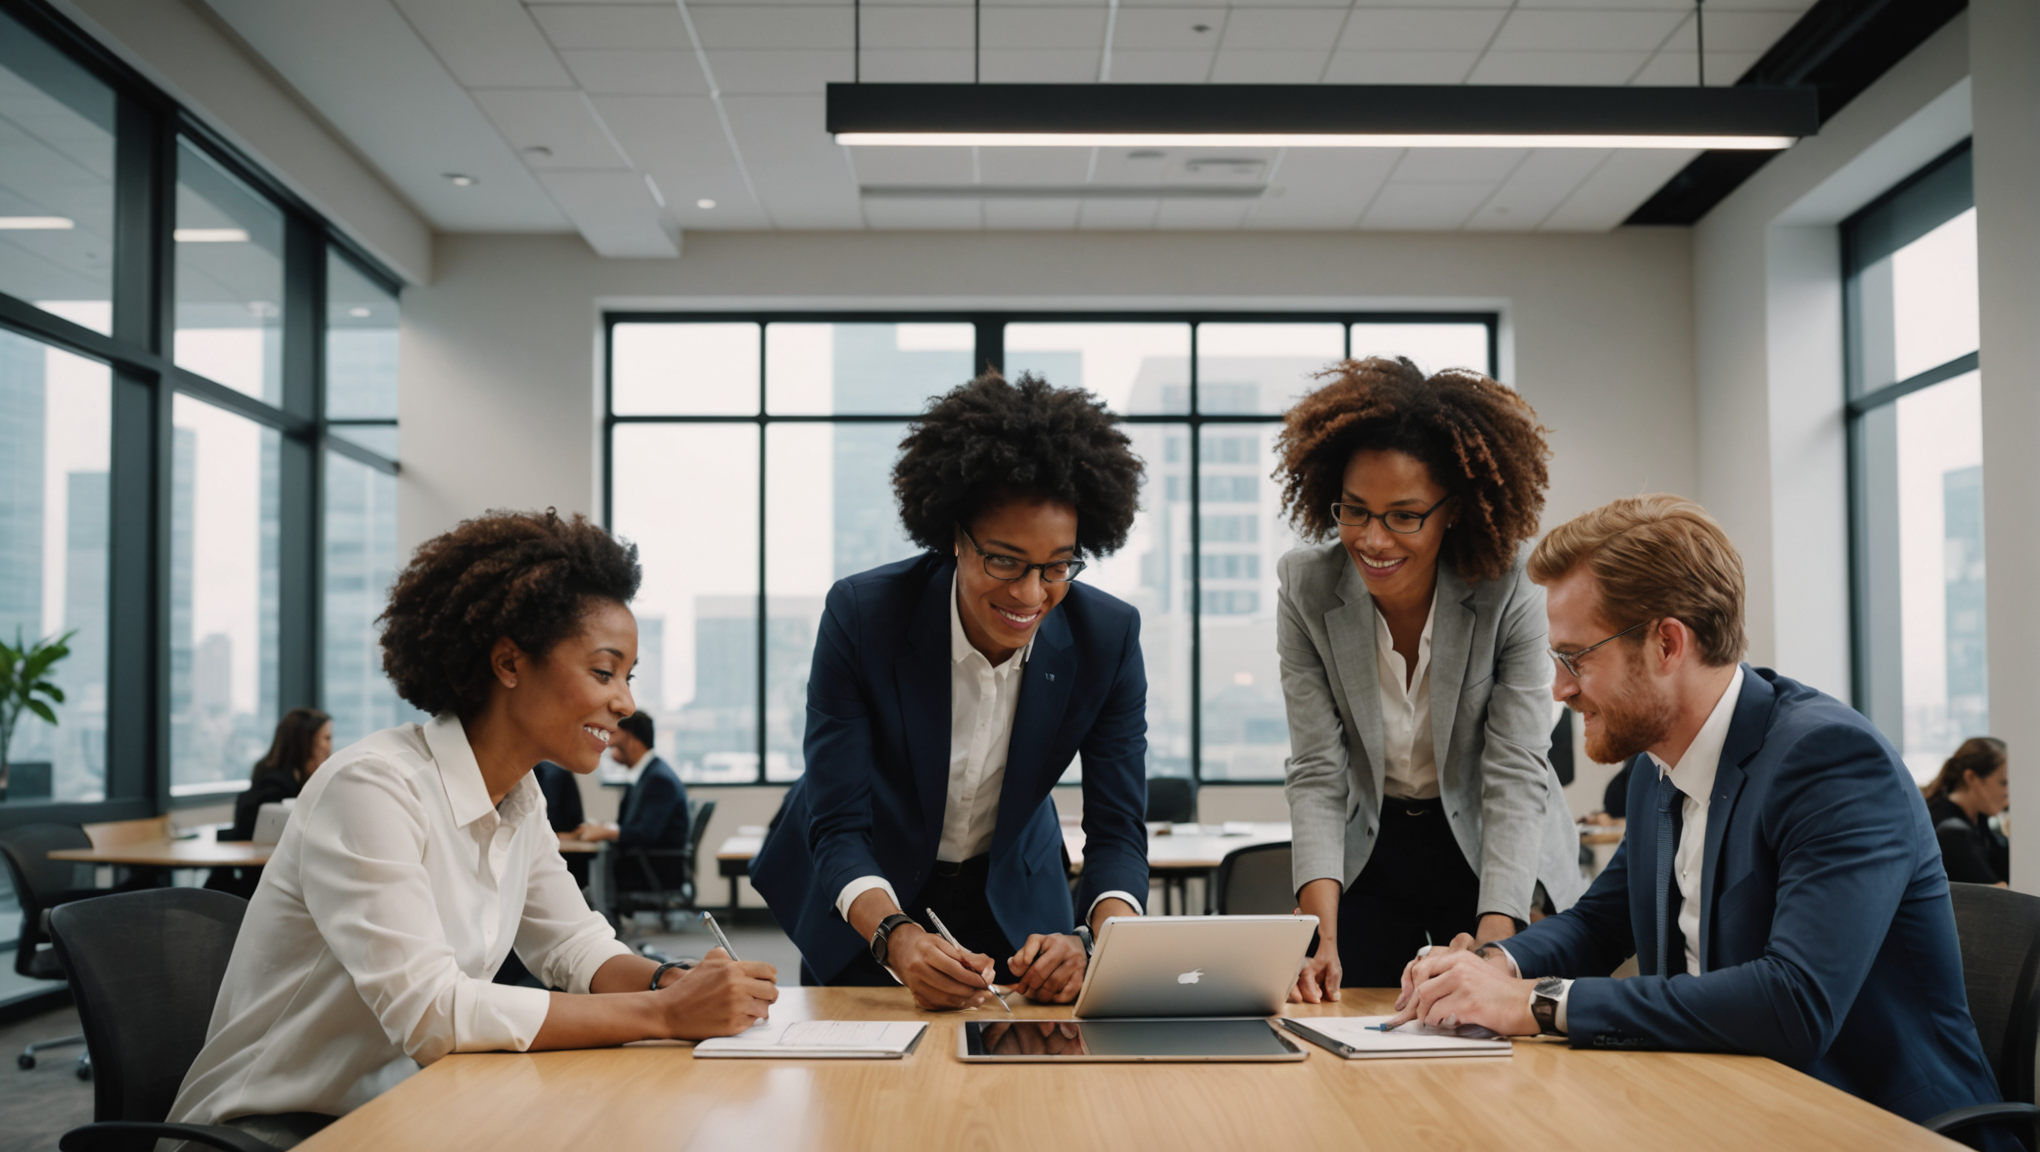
659,973
1544,1004
1083,935
885,929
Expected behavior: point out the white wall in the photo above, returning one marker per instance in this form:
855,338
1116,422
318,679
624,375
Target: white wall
501,352
1768,327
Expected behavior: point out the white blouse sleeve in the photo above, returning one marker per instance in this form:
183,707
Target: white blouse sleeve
562,940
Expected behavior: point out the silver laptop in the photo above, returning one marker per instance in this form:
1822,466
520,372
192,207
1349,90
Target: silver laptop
1194,965
269,822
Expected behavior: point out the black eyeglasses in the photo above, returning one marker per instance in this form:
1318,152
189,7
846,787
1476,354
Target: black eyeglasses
1011,568
1401,521
1570,661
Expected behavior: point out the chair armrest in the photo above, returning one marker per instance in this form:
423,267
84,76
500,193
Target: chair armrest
1957,1119
125,1135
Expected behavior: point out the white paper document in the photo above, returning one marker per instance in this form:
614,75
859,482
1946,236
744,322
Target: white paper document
1360,1038
818,1040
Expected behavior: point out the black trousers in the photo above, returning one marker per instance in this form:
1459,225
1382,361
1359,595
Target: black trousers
957,894
1417,881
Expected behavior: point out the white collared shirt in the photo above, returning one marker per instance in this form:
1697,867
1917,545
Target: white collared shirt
382,916
982,697
1411,770
632,774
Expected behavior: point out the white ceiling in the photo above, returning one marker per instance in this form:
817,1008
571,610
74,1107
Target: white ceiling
615,119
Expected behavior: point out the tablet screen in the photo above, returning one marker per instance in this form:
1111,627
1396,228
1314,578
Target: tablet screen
1126,1039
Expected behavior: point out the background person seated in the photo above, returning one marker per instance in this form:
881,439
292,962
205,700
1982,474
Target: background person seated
303,741
563,811
654,813
1973,786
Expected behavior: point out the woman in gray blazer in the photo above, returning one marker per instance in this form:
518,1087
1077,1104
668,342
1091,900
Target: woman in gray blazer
1416,670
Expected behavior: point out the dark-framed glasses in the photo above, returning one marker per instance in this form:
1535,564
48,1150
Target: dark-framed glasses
1011,568
1570,661
1400,521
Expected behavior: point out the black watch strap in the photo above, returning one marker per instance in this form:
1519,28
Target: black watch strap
885,930
1083,935
1544,1004
659,973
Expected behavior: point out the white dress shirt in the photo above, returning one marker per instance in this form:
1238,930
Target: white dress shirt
982,697
382,916
1693,776
1411,771
635,772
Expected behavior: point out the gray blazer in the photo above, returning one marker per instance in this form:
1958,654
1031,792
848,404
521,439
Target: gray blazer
1491,725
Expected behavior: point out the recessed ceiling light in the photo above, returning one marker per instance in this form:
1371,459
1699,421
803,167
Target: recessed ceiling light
211,235
358,313
538,152
35,223
460,179
704,203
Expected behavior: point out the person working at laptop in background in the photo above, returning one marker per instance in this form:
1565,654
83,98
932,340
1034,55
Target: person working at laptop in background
948,694
654,812
1779,884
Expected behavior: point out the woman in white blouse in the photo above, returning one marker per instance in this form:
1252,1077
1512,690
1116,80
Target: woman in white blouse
1415,671
416,859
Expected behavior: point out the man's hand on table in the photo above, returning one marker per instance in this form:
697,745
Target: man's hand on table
1049,969
939,974
1457,987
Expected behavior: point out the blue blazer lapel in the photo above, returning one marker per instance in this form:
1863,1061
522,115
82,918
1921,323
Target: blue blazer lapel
1746,732
922,674
1037,717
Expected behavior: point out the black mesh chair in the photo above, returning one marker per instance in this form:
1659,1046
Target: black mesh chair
662,879
2000,932
1172,799
145,969
41,884
1255,881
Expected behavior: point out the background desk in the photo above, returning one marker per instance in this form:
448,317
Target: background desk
195,853
650,1097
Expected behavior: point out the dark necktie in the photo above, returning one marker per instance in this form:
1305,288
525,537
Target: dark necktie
1668,805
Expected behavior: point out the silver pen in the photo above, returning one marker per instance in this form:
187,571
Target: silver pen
958,945
721,940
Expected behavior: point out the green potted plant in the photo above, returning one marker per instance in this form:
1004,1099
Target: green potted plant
23,671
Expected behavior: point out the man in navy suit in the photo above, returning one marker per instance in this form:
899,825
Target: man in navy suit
1778,882
950,691
654,811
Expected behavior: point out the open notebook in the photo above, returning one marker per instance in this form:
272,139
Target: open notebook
1356,1038
818,1040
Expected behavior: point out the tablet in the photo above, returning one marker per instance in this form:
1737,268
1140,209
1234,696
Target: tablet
1246,1040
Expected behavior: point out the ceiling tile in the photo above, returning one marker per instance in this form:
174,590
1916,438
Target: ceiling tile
1386,29
1606,198
1134,165
614,212
722,183
611,26
1537,187
787,71
913,165
1676,69
800,173
1269,66
1531,31
666,132
757,25
1041,66
944,66
917,27
1160,67
1034,165
1119,215
1174,28
1045,28
487,43
622,71
1322,187
1294,28
551,128
1457,165
1204,215
1423,207
1557,67
1735,31
1403,67
925,215
1032,215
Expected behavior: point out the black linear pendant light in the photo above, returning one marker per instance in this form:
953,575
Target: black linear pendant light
1319,115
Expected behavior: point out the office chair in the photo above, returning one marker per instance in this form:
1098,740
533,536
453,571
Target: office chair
2000,933
660,892
40,884
1172,799
145,970
1255,881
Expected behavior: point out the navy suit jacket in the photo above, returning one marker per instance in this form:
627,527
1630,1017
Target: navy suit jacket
877,780
562,796
1827,939
654,810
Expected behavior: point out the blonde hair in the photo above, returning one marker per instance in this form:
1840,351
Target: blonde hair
1655,557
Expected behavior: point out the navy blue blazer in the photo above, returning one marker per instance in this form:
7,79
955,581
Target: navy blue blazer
877,780
654,810
1827,939
562,796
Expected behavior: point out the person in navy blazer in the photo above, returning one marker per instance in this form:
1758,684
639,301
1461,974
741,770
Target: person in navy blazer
1778,881
654,812
950,691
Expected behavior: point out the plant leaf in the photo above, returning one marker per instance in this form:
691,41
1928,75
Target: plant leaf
50,690
41,709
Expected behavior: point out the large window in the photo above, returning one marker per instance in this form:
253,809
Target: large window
750,459
1916,462
197,441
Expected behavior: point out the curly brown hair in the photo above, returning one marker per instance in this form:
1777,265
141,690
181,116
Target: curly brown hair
530,576
1479,439
989,441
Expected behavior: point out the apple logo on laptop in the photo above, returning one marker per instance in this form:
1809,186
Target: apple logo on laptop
1191,977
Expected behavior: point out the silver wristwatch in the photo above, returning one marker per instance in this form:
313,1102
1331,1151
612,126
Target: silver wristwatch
1544,1004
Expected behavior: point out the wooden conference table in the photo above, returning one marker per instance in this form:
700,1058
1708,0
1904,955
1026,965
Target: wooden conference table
1546,1096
